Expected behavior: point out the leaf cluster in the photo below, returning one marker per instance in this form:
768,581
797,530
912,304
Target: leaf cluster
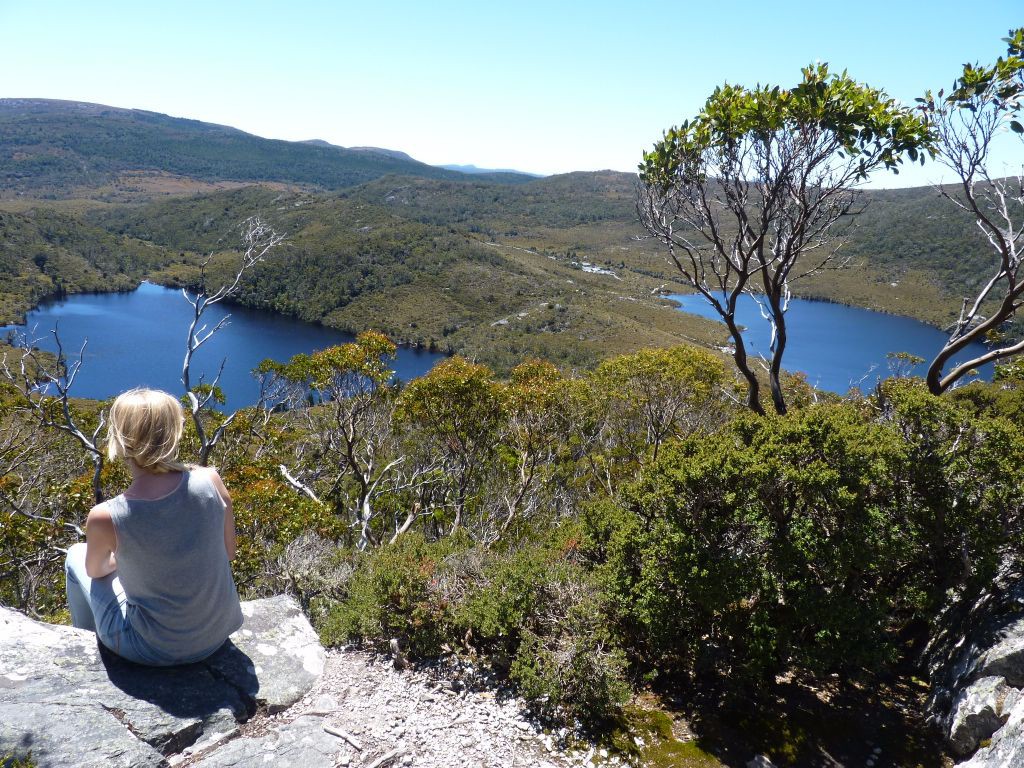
863,122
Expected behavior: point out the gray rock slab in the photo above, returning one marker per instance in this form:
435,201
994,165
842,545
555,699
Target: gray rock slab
285,653
70,701
1007,747
59,735
303,743
977,714
1005,658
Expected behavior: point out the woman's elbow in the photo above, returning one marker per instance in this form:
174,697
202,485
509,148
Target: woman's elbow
97,570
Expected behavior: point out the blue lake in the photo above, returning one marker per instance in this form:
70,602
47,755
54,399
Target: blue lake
138,339
836,346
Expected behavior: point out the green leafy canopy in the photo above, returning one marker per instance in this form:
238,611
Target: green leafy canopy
862,122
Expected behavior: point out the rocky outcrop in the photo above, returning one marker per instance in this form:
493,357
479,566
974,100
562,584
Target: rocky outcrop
1005,749
977,713
69,702
977,676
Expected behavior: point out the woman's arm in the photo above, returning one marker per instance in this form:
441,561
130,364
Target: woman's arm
230,539
100,543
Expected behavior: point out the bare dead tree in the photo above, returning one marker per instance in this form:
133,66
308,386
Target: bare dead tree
258,240
41,436
984,104
30,459
44,385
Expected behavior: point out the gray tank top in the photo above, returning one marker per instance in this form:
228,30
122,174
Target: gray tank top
174,569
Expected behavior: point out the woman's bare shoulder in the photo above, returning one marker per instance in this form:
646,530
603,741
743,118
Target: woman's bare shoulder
213,476
209,473
100,520
100,513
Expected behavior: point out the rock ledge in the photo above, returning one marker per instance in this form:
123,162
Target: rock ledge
70,702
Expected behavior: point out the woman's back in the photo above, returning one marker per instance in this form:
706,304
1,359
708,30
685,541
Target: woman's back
173,566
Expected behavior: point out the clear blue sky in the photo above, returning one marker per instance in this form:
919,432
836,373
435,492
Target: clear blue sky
538,86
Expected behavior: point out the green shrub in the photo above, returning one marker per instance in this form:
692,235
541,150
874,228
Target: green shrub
510,594
769,544
963,505
575,672
389,596
528,608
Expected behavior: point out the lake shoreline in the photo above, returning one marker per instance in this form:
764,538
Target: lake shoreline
57,296
837,346
137,338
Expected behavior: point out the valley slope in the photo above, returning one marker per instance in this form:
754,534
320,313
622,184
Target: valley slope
495,267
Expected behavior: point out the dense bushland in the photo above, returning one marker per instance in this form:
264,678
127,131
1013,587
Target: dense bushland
585,535
44,254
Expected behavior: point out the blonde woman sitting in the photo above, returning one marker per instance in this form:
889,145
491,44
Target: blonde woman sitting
153,579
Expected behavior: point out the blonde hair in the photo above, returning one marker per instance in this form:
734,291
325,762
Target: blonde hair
145,426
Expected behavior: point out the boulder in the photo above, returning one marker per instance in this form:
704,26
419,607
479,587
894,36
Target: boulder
977,714
976,671
978,638
1005,657
1006,750
69,702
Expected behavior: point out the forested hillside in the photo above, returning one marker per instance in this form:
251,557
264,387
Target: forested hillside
57,148
910,237
44,253
355,263
491,270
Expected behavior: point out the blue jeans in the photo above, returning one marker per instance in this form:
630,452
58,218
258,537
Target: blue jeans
100,605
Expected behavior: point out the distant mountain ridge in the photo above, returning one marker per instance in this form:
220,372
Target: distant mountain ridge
468,169
50,147
472,169
377,150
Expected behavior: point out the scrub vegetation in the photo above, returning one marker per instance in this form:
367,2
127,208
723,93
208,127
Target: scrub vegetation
586,536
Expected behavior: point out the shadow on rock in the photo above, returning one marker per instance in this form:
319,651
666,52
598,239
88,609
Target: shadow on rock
191,690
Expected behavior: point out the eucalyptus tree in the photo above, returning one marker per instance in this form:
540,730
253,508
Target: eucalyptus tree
347,455
456,413
548,426
984,103
656,394
746,196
